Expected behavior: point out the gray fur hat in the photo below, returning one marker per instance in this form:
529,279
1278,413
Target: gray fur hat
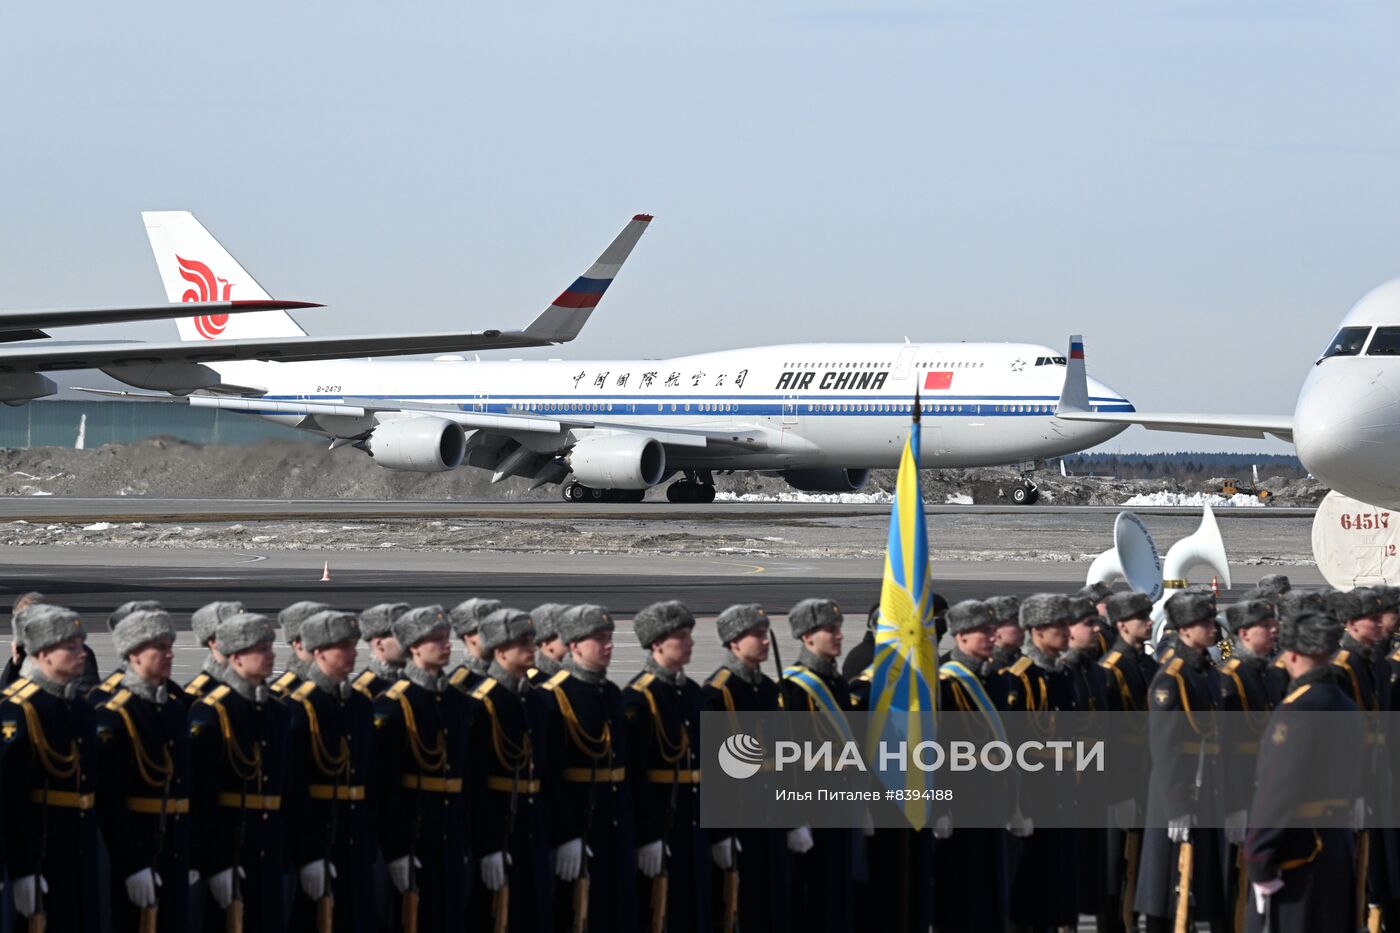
579,622
1186,609
141,628
1275,584
126,609
243,631
1132,605
207,618
329,628
378,620
466,616
1041,609
736,620
1006,610
42,625
420,623
1388,595
1344,606
503,627
1096,592
658,620
1250,612
291,618
969,614
1372,602
1311,633
546,618
1082,607
813,614
1297,602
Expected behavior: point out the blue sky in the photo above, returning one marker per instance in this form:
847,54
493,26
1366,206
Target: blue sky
1202,189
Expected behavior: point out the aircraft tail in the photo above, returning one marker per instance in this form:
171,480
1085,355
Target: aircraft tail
1074,397
194,267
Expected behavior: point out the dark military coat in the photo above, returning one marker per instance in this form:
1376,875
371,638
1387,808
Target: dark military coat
370,684
144,786
1248,689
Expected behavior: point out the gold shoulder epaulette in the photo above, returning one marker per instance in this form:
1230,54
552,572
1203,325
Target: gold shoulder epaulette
1340,659
866,675
215,695
719,678
1110,659
198,683
483,688
556,680
1395,655
532,672
365,679
14,689
642,680
1175,666
1022,664
113,680
118,699
1279,663
1297,693
459,675
944,673
283,683
397,690
23,693
304,691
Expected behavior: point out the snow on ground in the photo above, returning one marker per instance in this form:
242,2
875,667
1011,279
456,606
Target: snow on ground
1239,500
841,498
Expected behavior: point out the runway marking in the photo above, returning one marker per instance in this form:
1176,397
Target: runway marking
252,559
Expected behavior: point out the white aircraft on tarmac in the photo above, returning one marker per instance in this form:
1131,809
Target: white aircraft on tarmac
1346,423
820,415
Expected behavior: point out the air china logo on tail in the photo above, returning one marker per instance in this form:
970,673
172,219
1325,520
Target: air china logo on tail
202,278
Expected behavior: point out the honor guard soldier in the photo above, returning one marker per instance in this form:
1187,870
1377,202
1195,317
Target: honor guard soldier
420,749
594,858
824,862
241,755
1097,593
1006,610
108,686
290,620
205,621
466,619
970,862
1299,850
510,820
1185,779
1128,670
15,668
755,880
332,728
386,656
145,781
550,650
1087,645
1042,881
48,779
663,756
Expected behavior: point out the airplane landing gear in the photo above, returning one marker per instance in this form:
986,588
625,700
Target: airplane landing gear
697,486
1026,493
577,492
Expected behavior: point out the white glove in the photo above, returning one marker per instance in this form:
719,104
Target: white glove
194,877
1265,890
221,887
800,840
1020,826
493,870
398,872
649,859
1179,828
723,853
1235,824
943,827
568,860
314,883
1358,815
1123,814
141,888
25,899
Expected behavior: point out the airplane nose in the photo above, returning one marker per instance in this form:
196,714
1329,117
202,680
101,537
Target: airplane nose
1346,428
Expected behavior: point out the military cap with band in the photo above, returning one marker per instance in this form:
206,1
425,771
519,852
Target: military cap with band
658,620
141,628
330,627
736,620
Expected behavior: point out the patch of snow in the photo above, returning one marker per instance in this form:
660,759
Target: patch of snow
31,491
838,498
99,526
955,499
1196,499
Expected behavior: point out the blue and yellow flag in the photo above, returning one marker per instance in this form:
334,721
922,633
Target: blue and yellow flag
904,678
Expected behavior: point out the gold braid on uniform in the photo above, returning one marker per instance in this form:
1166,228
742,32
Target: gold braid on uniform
152,773
670,752
514,757
58,766
332,766
584,742
430,760
246,768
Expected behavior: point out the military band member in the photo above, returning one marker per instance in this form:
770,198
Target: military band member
594,857
466,619
386,656
824,860
758,858
550,650
205,622
48,778
1185,780
109,685
663,744
332,738
420,748
1009,634
240,753
145,779
290,620
510,819
1304,874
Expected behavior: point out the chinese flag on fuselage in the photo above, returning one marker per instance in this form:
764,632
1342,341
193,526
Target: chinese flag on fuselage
942,380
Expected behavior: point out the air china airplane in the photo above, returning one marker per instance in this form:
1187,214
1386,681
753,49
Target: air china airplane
820,415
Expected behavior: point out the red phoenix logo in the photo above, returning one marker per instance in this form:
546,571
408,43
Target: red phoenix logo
202,278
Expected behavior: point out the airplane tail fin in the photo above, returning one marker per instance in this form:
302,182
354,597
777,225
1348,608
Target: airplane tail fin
194,267
1074,396
563,320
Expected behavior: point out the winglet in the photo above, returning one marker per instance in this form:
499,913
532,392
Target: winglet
563,320
1074,396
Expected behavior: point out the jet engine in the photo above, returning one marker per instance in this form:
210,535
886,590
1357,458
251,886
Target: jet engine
826,480
618,461
418,445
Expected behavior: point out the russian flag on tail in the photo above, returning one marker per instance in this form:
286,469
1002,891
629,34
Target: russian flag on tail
588,288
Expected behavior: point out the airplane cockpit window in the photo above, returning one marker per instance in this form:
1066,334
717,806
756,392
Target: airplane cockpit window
1348,342
1385,343
1060,361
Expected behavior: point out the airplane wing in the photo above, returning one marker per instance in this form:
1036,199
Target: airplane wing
20,320
1074,406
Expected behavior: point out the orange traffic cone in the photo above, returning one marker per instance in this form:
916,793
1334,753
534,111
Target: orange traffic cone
1214,585
326,573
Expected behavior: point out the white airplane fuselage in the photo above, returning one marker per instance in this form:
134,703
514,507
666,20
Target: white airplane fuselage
821,405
